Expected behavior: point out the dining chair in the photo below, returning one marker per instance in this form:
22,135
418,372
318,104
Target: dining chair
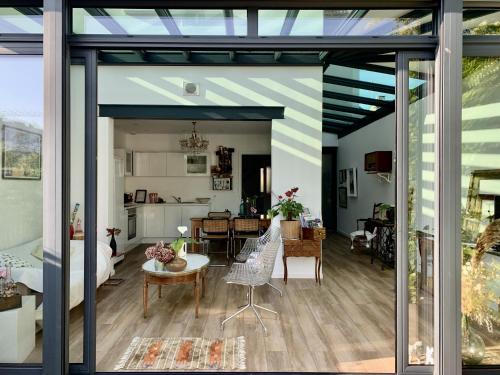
219,214
244,228
215,230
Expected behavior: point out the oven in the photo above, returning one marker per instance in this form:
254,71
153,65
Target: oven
132,223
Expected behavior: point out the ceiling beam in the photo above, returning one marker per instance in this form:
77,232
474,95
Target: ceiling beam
334,116
357,99
347,82
106,20
168,21
290,18
342,108
377,115
229,21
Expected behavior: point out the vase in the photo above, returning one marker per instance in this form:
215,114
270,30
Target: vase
112,244
290,229
473,348
159,266
176,265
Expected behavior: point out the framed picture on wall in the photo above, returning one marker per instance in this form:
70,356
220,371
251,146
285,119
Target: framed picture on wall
343,197
342,177
352,182
222,183
21,154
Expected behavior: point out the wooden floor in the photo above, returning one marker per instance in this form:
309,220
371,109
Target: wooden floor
347,324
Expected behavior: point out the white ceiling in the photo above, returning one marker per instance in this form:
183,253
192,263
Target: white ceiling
137,126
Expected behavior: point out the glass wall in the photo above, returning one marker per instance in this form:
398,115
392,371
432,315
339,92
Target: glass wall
21,251
421,212
21,20
481,211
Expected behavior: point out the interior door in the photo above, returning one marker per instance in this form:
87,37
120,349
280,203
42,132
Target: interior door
416,211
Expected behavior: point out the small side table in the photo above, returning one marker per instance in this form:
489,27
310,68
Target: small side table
303,248
18,330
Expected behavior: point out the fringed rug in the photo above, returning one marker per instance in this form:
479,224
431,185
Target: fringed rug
184,353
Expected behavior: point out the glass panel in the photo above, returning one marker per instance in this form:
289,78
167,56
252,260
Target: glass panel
421,213
21,20
481,21
21,199
159,21
274,22
481,211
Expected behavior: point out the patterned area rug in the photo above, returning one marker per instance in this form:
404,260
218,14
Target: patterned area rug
184,353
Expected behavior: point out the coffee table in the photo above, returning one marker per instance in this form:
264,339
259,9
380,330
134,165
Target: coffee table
195,272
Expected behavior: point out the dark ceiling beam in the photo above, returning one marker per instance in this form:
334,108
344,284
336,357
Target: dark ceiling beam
357,99
106,20
290,18
347,82
377,115
367,66
229,21
342,108
334,116
168,21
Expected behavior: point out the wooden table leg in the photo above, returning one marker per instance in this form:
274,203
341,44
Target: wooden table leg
203,283
316,269
285,275
197,294
145,296
159,291
319,270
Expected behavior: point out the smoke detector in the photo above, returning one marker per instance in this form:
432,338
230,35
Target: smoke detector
191,89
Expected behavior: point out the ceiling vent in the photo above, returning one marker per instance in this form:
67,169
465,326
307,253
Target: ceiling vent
191,89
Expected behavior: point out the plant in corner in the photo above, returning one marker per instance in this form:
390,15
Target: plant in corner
290,209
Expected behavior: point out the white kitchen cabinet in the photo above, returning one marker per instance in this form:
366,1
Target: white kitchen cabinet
173,219
176,164
140,223
190,211
150,164
155,221
121,222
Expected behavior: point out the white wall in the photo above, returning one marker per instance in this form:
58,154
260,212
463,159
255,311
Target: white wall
378,136
296,140
189,188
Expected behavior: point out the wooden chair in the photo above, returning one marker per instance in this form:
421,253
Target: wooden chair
215,230
244,229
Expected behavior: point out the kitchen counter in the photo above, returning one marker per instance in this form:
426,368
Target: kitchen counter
136,205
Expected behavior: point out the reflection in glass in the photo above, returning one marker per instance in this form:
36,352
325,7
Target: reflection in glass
481,22
21,251
21,20
480,211
421,213
274,22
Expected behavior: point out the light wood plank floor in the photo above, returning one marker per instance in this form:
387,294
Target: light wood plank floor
347,324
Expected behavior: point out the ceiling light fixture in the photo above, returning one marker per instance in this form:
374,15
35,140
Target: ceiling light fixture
193,143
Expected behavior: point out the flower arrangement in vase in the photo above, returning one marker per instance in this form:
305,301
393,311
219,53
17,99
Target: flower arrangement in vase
290,209
112,232
161,254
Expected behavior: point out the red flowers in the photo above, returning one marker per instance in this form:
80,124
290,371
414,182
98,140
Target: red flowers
290,193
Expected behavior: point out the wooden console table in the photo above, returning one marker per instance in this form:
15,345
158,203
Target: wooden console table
308,246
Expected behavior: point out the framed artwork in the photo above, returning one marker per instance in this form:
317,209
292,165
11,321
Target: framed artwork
222,183
21,154
342,176
140,196
352,182
343,197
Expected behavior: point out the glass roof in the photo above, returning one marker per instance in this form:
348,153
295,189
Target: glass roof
160,21
281,22
21,20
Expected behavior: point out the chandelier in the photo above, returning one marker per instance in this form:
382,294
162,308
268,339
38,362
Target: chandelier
194,143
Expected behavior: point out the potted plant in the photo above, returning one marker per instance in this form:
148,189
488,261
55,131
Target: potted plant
290,209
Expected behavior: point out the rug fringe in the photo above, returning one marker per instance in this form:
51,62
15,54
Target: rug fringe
125,357
242,358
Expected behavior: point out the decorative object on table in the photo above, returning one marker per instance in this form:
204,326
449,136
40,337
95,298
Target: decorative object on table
290,209
182,251
308,220
194,143
343,197
190,353
78,234
225,163
72,221
478,295
112,232
161,254
9,295
140,196
222,183
352,182
22,154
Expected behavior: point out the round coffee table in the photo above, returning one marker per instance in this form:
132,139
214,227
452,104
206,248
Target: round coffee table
195,272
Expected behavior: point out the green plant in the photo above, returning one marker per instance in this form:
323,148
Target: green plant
287,205
178,244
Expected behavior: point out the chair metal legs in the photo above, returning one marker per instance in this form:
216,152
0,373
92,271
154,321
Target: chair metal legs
253,306
276,288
